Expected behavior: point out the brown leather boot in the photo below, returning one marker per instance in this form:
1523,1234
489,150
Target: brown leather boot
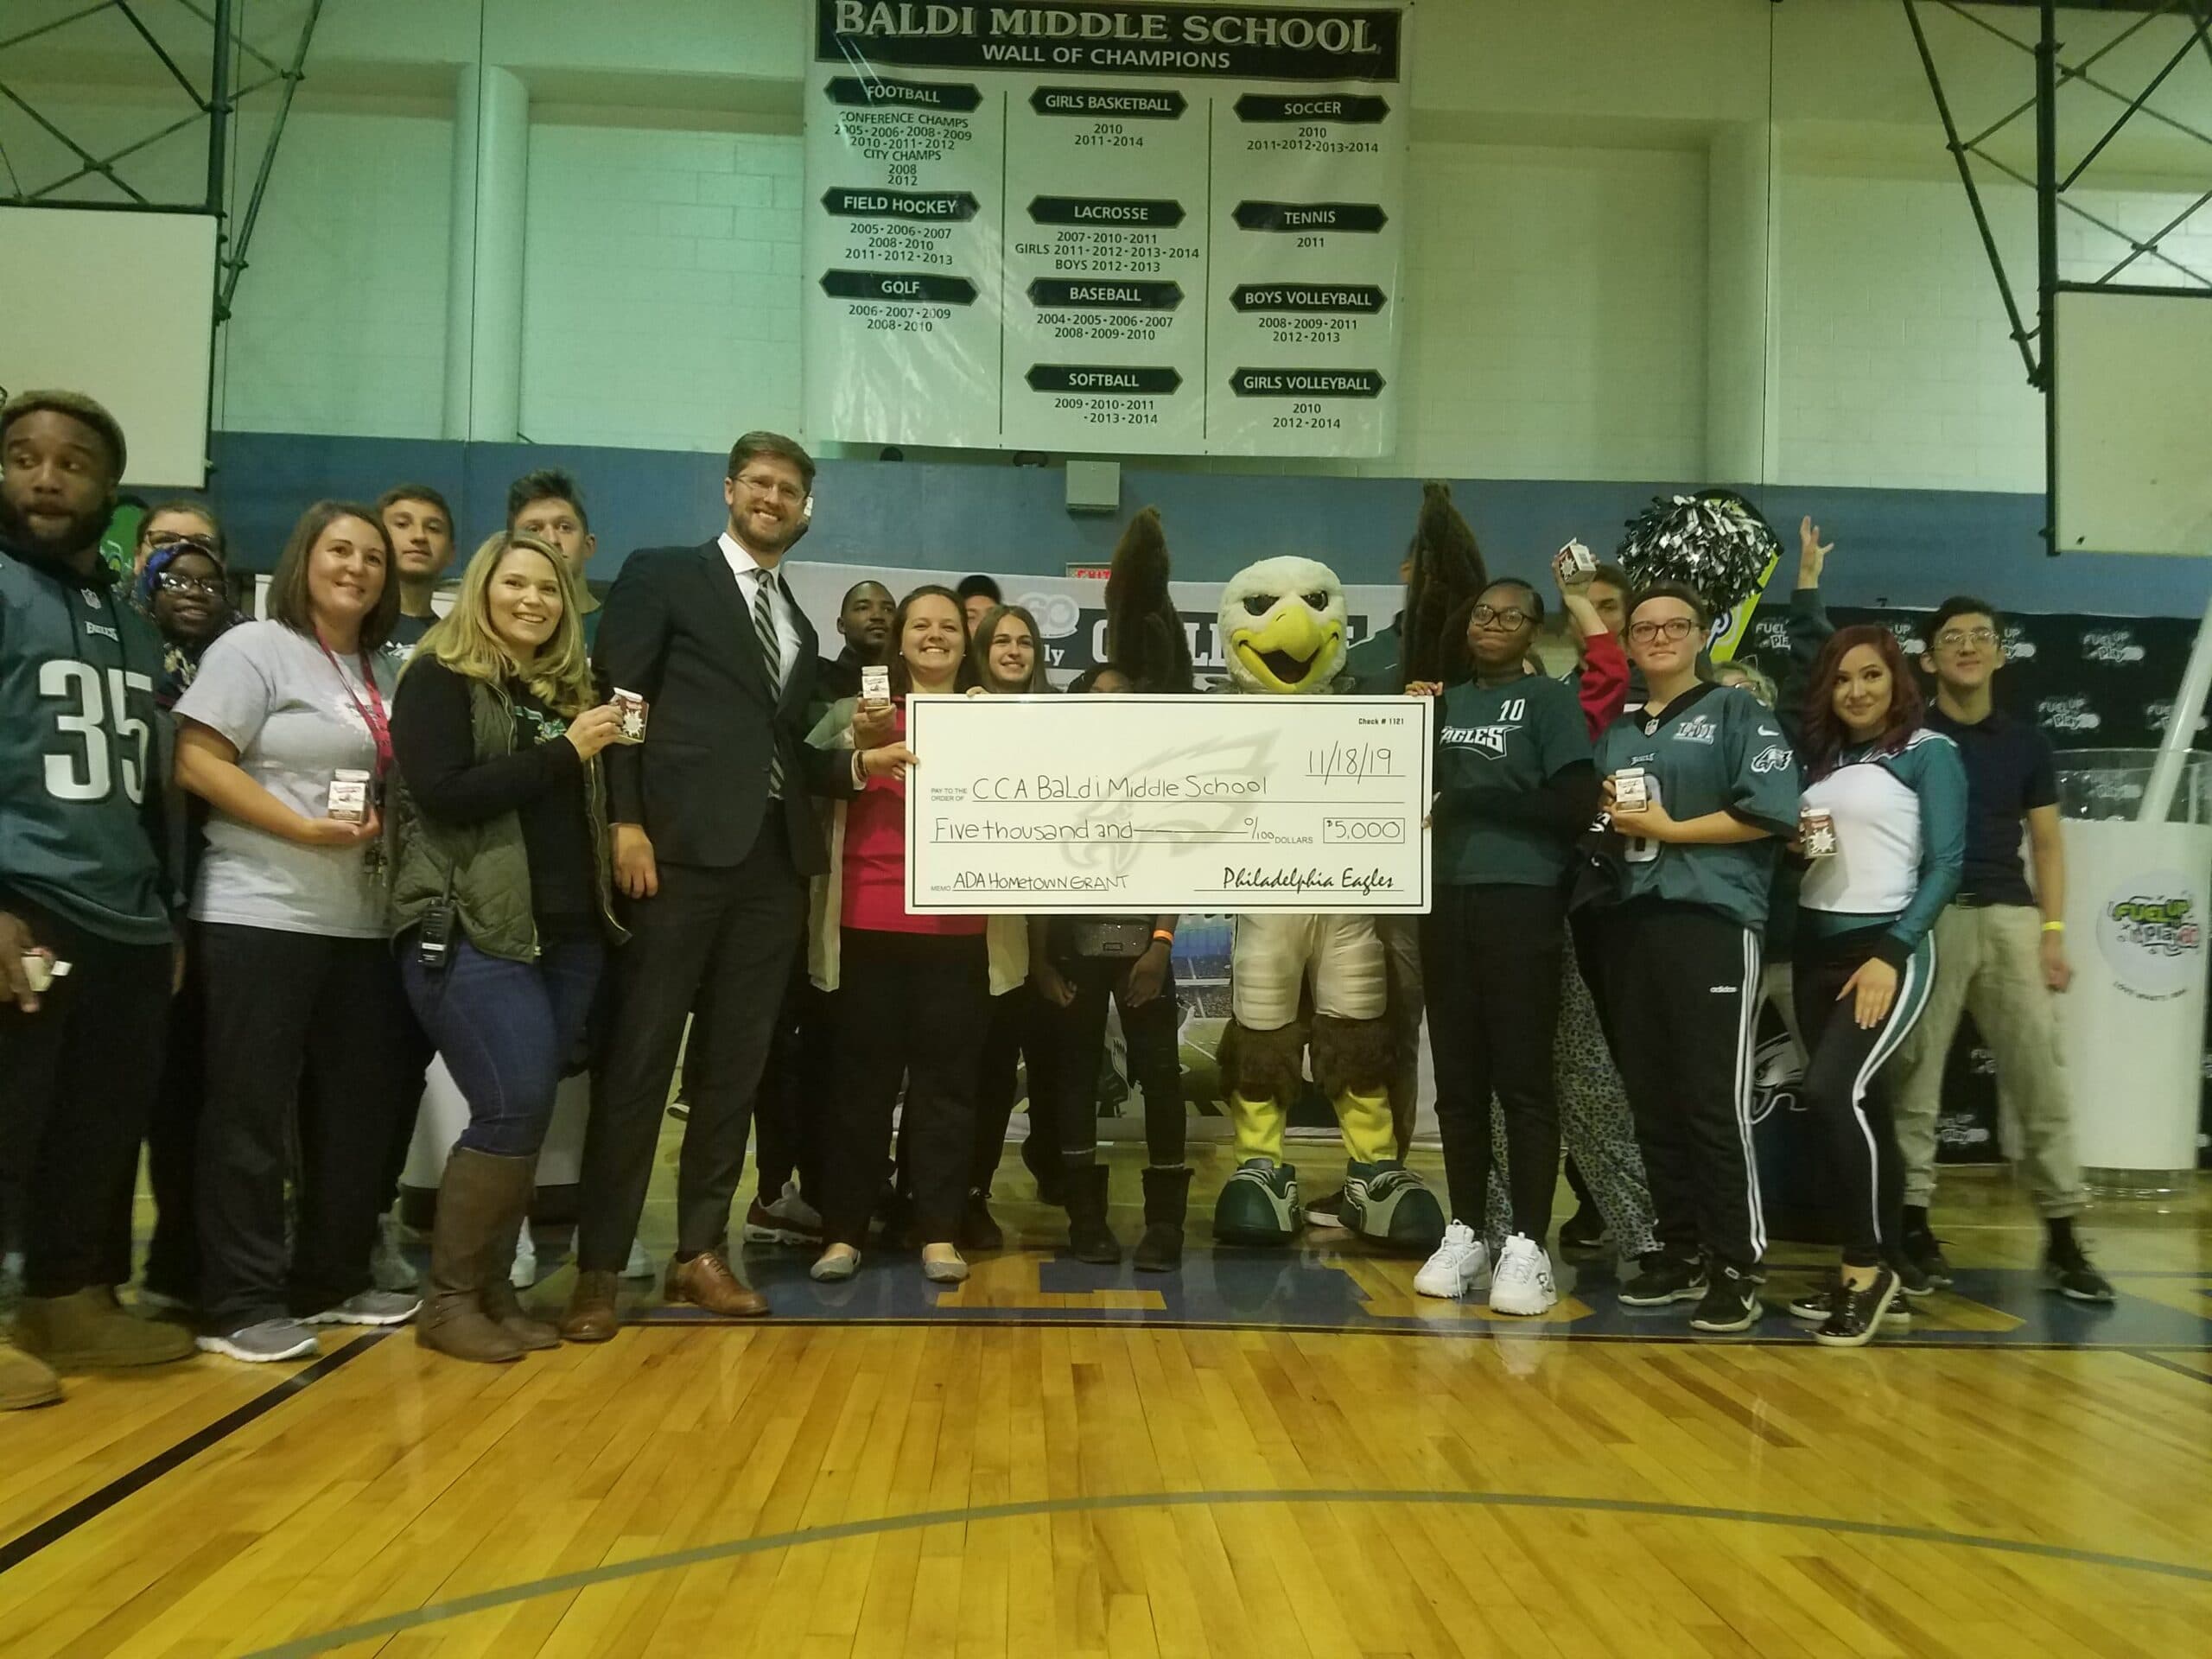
519,1179
90,1330
594,1313
25,1381
472,1201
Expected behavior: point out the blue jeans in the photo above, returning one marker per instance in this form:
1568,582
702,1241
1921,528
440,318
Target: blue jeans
506,1030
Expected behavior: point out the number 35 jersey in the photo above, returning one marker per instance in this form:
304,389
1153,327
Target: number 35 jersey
84,753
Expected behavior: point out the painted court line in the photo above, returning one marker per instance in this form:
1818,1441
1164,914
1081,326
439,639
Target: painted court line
24,1545
567,1583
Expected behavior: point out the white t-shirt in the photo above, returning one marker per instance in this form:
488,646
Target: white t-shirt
291,714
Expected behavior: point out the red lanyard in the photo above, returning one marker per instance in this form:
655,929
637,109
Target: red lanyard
371,713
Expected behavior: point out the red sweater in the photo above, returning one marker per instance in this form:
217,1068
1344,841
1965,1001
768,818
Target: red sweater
875,872
1603,687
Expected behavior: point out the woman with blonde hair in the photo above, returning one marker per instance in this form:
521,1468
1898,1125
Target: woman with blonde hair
500,907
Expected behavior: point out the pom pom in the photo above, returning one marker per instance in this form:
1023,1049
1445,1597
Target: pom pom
1444,547
1715,542
1144,634
1448,572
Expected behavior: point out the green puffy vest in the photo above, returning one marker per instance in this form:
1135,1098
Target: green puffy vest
485,866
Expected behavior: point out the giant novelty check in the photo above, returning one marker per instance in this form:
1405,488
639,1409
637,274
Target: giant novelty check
1145,804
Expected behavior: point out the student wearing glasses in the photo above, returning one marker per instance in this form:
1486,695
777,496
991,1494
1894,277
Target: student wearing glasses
1514,789
1699,784
181,586
170,524
2000,952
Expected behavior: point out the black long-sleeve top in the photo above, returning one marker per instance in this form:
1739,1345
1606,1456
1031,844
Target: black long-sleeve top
541,783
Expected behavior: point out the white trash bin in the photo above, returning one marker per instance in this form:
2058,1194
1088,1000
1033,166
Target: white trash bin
2132,1024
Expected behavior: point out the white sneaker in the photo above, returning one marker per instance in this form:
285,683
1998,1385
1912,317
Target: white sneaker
388,1268
1522,1283
524,1273
790,1220
639,1265
1461,1264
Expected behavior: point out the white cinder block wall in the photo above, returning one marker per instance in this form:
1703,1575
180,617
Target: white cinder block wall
1555,313
661,298
1616,266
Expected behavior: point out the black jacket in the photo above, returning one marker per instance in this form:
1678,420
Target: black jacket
677,630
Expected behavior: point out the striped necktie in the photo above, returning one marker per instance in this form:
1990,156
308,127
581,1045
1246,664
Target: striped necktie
772,660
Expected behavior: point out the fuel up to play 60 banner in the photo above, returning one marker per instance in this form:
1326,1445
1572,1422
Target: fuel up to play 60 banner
1106,228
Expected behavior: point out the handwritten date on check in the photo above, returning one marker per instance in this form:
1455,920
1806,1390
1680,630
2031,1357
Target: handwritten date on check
1144,804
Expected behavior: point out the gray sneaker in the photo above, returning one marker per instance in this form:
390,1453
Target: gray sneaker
370,1307
260,1344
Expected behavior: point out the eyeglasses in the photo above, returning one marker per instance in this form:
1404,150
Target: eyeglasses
174,584
167,539
1954,638
1511,618
1675,627
775,486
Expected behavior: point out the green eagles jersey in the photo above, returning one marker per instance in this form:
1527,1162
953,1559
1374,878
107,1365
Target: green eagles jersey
84,753
1502,740
1717,749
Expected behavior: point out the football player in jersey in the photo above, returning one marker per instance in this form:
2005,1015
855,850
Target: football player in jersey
87,891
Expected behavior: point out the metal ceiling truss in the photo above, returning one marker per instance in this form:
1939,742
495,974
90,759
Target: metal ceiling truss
216,106
2052,74
2038,345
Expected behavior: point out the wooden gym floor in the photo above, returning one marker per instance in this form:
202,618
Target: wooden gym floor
1264,1456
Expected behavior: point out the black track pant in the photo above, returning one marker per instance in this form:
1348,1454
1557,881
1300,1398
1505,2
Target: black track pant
1865,1174
1491,960
1684,985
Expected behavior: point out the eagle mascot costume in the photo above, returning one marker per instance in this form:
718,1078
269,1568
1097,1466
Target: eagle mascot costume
1307,983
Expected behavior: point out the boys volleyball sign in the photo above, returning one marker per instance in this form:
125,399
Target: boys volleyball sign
1106,228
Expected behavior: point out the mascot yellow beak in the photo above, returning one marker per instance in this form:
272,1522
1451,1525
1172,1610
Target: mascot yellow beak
1282,654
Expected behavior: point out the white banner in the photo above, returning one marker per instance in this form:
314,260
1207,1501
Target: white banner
1104,227
1216,803
1071,611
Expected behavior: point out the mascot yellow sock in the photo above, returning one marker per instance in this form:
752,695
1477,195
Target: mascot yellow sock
1371,1133
1259,1128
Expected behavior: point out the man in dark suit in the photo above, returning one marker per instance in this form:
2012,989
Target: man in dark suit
715,834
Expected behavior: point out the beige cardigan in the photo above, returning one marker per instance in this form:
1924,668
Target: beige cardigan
1005,938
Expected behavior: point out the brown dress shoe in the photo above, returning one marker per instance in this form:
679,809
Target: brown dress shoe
593,1315
706,1282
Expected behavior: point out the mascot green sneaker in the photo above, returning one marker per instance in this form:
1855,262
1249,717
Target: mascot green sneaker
1387,1203
1259,1204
